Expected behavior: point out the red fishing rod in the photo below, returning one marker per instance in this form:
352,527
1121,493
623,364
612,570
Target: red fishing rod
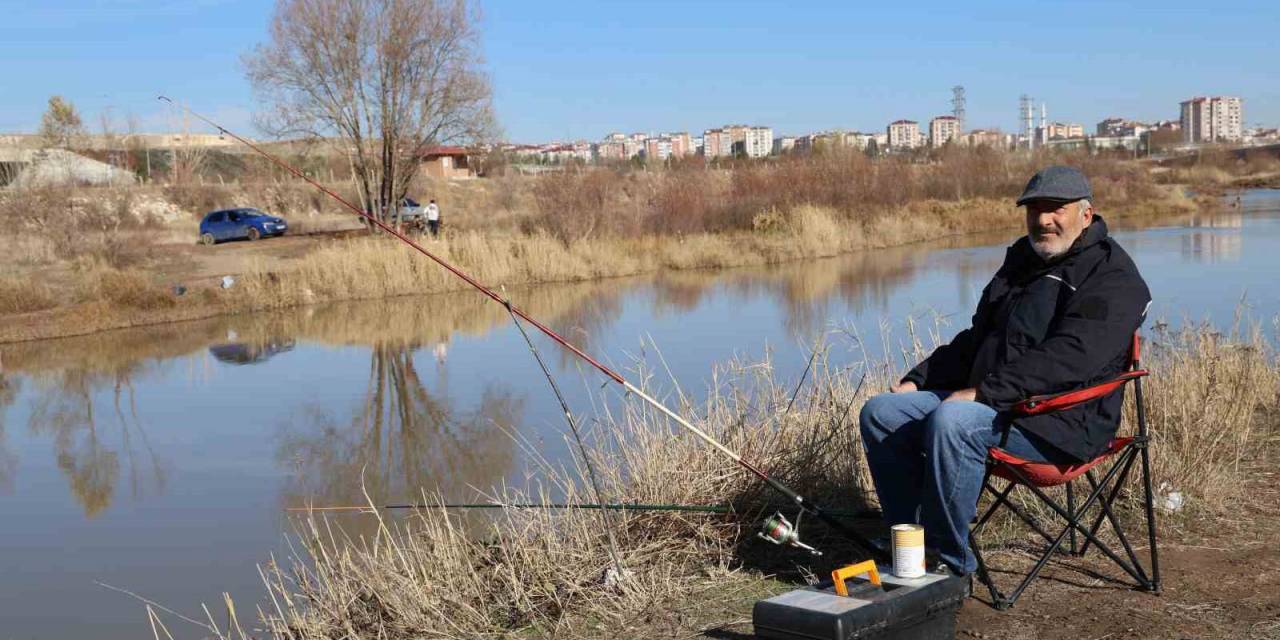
779,534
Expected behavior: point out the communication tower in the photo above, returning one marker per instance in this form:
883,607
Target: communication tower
1025,111
957,105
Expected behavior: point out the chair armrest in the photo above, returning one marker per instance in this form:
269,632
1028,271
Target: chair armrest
1052,402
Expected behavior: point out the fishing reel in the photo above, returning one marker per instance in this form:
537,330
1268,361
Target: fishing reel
778,530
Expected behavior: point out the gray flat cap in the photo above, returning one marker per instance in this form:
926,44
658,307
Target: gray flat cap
1066,184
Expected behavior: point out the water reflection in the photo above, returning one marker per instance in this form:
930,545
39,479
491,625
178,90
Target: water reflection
8,460
251,352
400,440
1214,239
66,410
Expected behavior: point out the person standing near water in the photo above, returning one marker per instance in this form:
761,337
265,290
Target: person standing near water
433,219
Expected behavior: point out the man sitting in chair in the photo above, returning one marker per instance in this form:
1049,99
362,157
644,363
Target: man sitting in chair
1058,315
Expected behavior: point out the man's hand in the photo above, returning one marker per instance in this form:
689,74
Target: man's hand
969,394
906,386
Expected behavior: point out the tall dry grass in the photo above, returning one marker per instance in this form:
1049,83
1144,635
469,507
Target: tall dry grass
434,573
20,295
1208,390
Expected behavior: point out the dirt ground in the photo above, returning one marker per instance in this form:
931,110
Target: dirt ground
1220,574
194,265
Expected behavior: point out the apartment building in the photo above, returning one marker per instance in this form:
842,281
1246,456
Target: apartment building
943,129
717,143
783,145
681,144
1061,131
657,148
1218,119
757,142
611,150
904,134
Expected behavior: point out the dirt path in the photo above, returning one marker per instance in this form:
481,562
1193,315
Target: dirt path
194,264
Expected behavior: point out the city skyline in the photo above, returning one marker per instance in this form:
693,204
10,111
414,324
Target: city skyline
579,71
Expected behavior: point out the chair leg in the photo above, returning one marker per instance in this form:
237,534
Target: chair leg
1115,491
1151,514
1073,522
1071,506
1145,582
1143,442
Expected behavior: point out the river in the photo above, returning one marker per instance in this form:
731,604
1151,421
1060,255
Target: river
160,460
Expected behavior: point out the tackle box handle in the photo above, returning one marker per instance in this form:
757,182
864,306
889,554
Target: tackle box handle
866,566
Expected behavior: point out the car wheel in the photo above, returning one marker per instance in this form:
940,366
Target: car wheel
254,234
207,239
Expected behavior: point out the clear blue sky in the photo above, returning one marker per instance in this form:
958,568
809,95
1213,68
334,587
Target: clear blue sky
581,69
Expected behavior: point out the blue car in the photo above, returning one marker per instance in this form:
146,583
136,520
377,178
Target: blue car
230,224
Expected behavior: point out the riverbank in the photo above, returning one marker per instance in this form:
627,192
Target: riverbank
324,267
1212,403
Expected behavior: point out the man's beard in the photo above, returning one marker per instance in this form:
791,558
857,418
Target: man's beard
1048,251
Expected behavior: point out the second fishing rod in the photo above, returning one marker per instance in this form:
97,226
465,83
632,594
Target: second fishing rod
805,506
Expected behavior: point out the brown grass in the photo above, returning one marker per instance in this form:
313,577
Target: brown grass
128,289
435,574
20,295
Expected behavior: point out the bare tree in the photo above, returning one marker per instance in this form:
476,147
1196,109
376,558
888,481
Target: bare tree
388,77
187,157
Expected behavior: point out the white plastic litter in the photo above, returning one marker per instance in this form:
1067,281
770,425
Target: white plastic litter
613,579
1168,500
227,281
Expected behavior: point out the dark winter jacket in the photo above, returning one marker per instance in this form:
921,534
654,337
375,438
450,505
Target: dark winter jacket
1046,328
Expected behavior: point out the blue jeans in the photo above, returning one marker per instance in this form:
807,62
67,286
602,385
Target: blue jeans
928,458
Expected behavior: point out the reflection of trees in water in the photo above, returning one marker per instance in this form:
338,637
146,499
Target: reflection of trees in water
8,461
65,409
400,441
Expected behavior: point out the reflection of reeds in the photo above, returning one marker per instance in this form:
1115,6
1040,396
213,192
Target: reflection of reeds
542,570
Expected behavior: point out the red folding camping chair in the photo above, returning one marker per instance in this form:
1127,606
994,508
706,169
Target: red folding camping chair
1037,477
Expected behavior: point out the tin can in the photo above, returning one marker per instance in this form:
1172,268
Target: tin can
908,550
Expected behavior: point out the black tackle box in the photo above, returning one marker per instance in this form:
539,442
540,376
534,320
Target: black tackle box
918,608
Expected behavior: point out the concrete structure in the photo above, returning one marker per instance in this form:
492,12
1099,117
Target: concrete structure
903,134
1131,142
993,138
1209,120
783,145
943,129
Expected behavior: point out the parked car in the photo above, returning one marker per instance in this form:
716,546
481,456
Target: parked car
411,215
230,224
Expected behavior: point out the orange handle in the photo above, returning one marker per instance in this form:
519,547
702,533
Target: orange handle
866,566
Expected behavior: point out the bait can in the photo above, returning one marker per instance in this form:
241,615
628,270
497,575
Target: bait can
908,550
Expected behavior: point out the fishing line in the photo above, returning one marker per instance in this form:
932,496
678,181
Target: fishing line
577,436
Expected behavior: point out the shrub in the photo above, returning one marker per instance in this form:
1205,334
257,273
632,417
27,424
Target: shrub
21,295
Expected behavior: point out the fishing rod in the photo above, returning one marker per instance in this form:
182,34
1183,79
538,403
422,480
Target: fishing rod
612,506
799,501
